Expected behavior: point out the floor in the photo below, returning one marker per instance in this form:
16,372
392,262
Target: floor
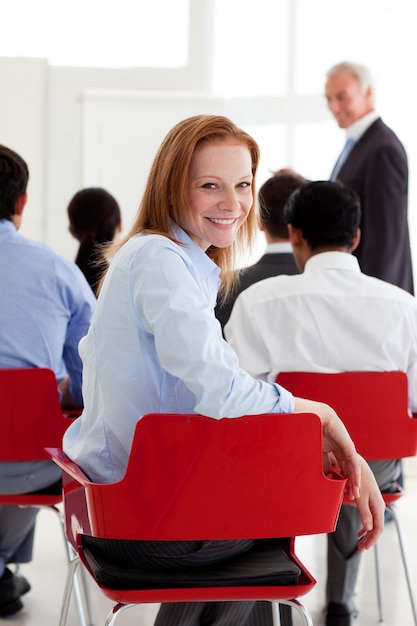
47,573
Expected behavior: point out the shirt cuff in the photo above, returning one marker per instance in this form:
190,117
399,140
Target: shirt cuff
286,402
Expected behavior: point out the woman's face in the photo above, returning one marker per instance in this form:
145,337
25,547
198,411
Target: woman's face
219,191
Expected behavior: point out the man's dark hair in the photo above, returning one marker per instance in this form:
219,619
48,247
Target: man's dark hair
327,213
14,176
272,197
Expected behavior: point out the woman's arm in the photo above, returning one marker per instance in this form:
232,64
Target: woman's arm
362,486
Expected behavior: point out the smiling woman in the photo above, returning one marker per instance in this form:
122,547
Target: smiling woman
156,346
220,193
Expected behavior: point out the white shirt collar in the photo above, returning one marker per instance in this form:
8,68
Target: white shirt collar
332,261
357,129
278,247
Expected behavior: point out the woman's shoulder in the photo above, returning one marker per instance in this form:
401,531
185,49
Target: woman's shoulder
148,250
148,244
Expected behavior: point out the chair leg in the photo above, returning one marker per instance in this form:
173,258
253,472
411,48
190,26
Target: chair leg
78,584
69,582
401,541
81,593
276,618
379,583
115,612
301,609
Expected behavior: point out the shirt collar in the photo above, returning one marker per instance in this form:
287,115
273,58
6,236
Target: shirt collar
357,129
332,261
205,265
278,246
6,226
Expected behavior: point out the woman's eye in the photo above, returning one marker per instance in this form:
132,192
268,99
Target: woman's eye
209,186
245,184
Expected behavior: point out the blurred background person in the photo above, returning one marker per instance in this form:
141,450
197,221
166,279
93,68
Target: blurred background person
46,307
94,220
374,164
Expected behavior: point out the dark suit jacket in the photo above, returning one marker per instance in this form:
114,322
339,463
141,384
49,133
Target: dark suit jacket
270,264
377,170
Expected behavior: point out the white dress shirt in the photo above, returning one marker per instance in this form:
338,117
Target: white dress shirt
358,128
154,345
278,247
329,318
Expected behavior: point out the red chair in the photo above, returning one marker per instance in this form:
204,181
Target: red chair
193,477
30,419
381,427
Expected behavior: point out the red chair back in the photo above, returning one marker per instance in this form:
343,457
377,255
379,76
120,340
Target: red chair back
30,414
193,477
372,405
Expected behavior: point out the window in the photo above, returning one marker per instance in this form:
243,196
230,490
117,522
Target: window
98,33
250,47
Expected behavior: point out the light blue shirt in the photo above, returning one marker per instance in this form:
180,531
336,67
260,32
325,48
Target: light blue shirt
46,307
155,346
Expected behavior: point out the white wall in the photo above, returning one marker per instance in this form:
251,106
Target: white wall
41,118
41,108
23,127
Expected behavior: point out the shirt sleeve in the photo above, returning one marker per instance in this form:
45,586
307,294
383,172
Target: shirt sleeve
80,302
173,303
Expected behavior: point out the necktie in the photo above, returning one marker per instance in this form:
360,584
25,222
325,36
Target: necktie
342,158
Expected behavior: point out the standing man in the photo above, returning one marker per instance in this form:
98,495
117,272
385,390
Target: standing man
46,307
374,164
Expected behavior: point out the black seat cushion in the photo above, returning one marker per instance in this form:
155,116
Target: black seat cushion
52,490
266,563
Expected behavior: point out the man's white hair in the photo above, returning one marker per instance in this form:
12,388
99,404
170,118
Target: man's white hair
360,72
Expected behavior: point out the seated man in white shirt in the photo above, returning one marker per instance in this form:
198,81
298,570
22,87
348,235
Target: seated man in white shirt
329,318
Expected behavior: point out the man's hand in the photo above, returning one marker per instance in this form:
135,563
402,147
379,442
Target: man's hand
67,402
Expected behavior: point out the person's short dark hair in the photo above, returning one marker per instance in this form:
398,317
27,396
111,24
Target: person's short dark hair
272,197
327,213
14,176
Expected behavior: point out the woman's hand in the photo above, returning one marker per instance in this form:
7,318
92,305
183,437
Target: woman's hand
371,508
362,487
